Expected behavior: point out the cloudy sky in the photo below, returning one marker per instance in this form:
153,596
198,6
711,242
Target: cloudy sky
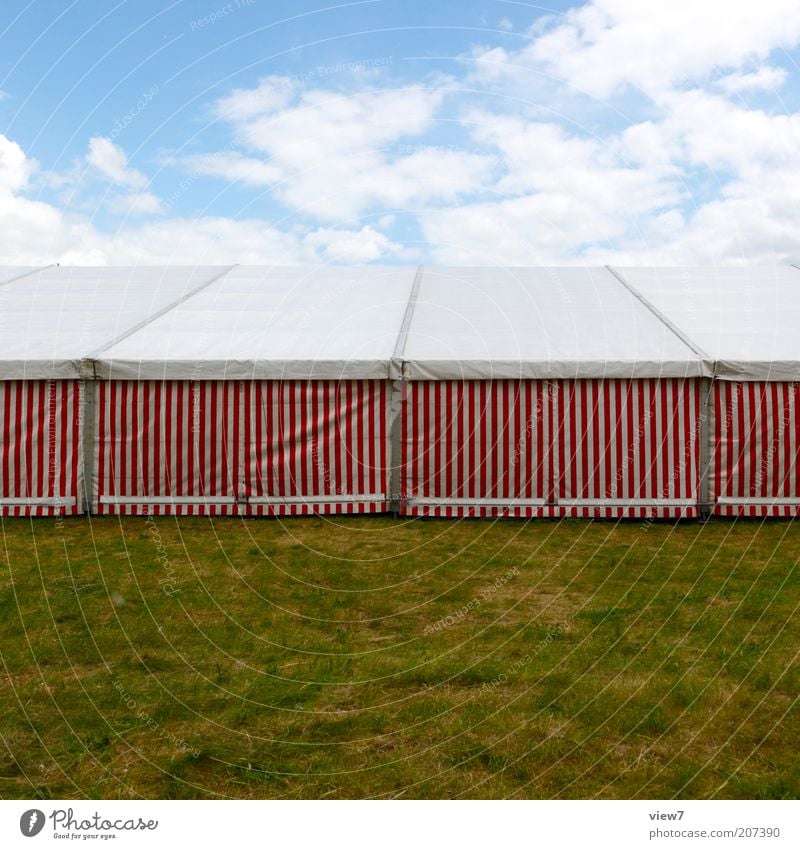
400,131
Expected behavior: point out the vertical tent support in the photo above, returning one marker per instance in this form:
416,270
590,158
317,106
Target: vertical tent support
88,393
398,399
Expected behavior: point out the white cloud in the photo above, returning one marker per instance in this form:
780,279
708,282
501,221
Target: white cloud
123,187
698,170
111,161
605,44
33,232
716,133
628,197
15,168
766,78
365,245
543,157
232,166
334,156
242,104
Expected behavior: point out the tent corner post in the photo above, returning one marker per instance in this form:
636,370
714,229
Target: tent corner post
396,412
705,502
88,393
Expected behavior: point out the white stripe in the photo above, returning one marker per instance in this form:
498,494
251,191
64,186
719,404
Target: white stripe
625,502
44,501
758,501
476,502
346,498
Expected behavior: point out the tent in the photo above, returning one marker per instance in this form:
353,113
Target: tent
426,391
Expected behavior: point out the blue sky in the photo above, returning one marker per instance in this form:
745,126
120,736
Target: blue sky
451,132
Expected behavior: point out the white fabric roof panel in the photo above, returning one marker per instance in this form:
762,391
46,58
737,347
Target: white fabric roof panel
272,323
746,320
539,323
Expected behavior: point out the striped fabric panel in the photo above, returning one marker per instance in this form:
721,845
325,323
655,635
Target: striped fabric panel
755,448
228,444
476,440
632,440
312,439
546,442
168,440
40,446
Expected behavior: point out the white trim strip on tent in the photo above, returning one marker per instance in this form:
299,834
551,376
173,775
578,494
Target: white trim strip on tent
626,502
362,498
757,501
163,311
423,501
167,500
229,499
50,501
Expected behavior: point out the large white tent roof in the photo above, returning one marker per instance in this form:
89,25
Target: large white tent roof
438,323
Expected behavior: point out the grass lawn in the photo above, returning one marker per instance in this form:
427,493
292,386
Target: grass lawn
192,658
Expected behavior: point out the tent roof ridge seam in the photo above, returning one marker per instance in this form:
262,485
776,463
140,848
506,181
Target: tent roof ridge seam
408,316
661,317
158,313
28,274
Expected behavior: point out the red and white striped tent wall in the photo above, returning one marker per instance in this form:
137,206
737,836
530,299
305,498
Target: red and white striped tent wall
430,392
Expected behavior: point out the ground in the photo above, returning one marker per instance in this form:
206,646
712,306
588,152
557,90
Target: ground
367,657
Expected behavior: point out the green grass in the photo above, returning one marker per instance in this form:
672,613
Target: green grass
373,658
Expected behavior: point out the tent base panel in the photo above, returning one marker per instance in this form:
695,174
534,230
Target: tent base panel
241,510
550,512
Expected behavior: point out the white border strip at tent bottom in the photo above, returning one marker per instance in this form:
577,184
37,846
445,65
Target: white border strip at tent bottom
213,500
758,502
423,501
50,501
626,502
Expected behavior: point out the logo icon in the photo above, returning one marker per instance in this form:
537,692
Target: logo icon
31,822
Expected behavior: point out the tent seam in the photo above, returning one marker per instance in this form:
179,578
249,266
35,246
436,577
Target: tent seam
696,349
408,316
90,357
29,274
